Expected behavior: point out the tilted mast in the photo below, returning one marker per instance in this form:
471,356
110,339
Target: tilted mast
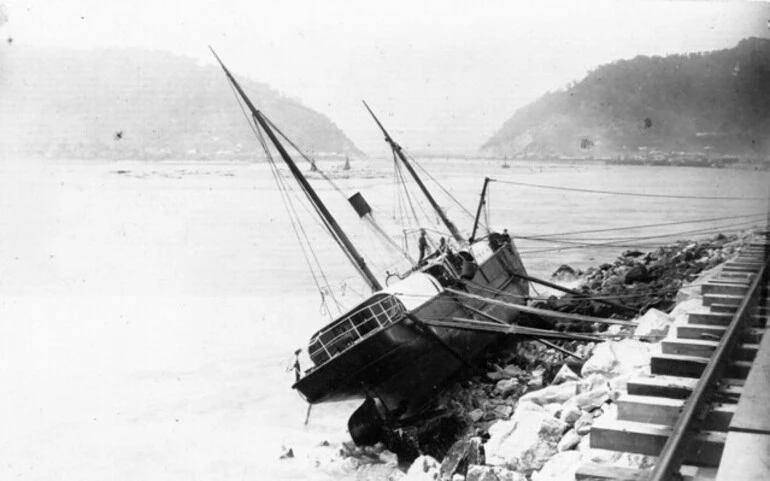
337,232
397,149
482,201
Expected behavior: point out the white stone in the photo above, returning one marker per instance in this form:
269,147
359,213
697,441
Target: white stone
653,325
379,472
565,374
570,412
593,381
526,441
612,358
506,386
687,307
424,468
555,393
590,400
490,473
561,467
389,457
476,415
569,441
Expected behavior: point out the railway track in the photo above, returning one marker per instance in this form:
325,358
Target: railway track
705,410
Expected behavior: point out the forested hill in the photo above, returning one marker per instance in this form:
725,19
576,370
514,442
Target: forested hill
139,104
715,102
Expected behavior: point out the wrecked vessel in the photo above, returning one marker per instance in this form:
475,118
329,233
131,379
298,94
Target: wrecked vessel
385,350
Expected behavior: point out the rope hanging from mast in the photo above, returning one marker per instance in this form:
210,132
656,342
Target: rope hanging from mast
347,247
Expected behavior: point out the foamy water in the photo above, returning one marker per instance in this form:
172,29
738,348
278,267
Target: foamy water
147,317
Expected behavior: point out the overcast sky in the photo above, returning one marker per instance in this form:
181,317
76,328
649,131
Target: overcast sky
444,75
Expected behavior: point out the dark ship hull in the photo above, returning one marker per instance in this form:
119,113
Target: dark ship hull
403,363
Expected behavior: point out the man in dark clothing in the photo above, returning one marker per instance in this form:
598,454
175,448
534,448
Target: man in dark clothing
423,245
296,366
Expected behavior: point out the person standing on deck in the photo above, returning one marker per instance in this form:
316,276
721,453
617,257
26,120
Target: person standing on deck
443,248
423,245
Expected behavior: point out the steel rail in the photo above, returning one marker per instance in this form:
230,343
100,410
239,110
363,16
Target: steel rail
672,455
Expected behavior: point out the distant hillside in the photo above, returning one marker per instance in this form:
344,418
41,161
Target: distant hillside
707,102
139,104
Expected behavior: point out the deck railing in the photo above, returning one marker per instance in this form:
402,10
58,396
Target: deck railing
356,325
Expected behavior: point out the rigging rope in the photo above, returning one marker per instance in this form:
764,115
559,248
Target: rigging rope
615,239
714,229
284,189
301,234
611,229
467,212
592,191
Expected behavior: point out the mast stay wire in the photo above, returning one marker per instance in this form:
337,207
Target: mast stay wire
301,234
641,226
713,229
633,194
379,229
449,194
582,241
284,189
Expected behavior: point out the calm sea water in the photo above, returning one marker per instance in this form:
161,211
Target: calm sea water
148,312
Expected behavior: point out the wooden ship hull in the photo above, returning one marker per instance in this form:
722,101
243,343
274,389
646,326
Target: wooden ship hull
404,362
390,350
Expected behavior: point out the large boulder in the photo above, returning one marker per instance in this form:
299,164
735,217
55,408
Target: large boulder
551,394
424,468
507,372
569,441
506,387
561,467
590,400
637,273
379,472
653,325
491,473
467,449
613,358
526,441
565,374
566,273
570,412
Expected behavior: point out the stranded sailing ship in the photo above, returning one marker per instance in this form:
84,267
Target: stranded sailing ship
397,349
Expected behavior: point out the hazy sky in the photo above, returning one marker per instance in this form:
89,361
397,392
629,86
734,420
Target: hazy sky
444,74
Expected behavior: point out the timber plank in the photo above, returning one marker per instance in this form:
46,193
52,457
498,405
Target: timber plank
710,318
704,332
665,411
690,366
741,268
674,387
723,308
724,288
733,300
735,275
698,348
705,449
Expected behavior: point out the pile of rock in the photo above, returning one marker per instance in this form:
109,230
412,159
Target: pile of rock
642,281
529,416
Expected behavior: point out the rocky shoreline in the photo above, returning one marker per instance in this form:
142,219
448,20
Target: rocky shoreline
528,414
